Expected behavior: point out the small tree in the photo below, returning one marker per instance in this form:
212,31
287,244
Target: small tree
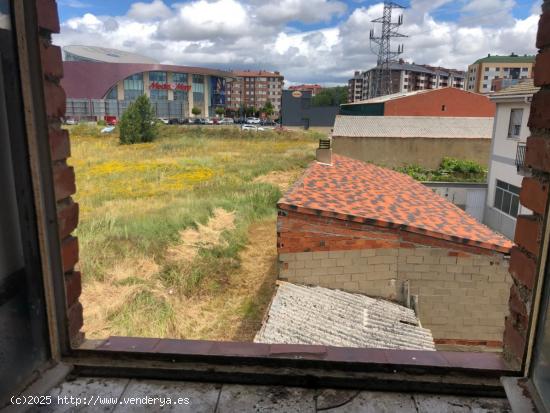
137,124
268,109
196,111
220,111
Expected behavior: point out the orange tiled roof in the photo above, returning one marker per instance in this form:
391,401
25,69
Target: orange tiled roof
356,191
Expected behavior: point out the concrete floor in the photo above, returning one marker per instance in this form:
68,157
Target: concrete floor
115,395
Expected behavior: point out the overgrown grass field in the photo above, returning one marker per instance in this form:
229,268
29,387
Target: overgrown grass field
164,228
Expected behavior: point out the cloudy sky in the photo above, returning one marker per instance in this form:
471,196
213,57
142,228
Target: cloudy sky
314,41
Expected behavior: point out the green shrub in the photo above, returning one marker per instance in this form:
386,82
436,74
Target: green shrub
450,170
138,124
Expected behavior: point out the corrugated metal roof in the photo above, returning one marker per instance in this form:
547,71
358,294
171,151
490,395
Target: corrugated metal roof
389,97
412,127
526,87
316,315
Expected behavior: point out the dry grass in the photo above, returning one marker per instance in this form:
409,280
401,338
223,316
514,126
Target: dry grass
282,179
178,237
203,237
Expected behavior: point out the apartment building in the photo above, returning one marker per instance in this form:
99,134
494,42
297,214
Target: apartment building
355,87
406,77
492,73
254,89
507,162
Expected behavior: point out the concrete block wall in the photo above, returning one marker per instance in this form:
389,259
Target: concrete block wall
462,291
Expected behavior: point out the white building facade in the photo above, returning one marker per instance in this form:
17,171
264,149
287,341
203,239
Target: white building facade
506,169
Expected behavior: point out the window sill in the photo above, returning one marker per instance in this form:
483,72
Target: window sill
293,365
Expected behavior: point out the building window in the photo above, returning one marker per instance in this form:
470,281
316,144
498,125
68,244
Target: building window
133,86
443,108
157,94
112,94
484,86
486,69
524,69
180,95
485,77
514,128
179,77
157,77
198,90
507,198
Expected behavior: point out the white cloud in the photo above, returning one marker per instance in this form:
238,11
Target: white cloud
310,11
149,11
238,34
205,19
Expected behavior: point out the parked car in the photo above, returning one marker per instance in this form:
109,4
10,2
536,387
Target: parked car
226,121
249,127
208,121
70,121
184,121
163,120
197,121
253,121
110,120
267,122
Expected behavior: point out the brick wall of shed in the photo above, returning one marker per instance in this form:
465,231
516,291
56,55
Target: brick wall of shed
462,291
64,177
526,257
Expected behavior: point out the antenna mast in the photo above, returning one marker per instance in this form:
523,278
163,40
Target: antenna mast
381,83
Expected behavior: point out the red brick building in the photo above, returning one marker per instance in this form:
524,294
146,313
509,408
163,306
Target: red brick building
314,89
448,102
254,89
361,228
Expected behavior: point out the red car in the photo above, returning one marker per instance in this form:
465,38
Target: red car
111,120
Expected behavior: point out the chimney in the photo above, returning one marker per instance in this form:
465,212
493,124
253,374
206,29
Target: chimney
324,151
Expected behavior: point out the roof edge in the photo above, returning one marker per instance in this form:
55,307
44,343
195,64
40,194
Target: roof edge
386,224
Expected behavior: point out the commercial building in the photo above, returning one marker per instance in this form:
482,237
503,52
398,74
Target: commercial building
79,53
406,77
446,102
314,89
96,88
254,89
297,110
506,165
490,73
357,227
395,141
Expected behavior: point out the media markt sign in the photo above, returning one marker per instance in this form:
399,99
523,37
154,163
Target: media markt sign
170,86
296,94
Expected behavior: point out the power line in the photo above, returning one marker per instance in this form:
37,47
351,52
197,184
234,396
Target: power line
382,82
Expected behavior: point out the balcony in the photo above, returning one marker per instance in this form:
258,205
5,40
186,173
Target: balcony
520,160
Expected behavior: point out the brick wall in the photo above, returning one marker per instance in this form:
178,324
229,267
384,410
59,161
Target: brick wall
457,103
534,195
64,177
462,291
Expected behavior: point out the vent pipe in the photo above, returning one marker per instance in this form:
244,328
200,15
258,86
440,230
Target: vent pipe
324,152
